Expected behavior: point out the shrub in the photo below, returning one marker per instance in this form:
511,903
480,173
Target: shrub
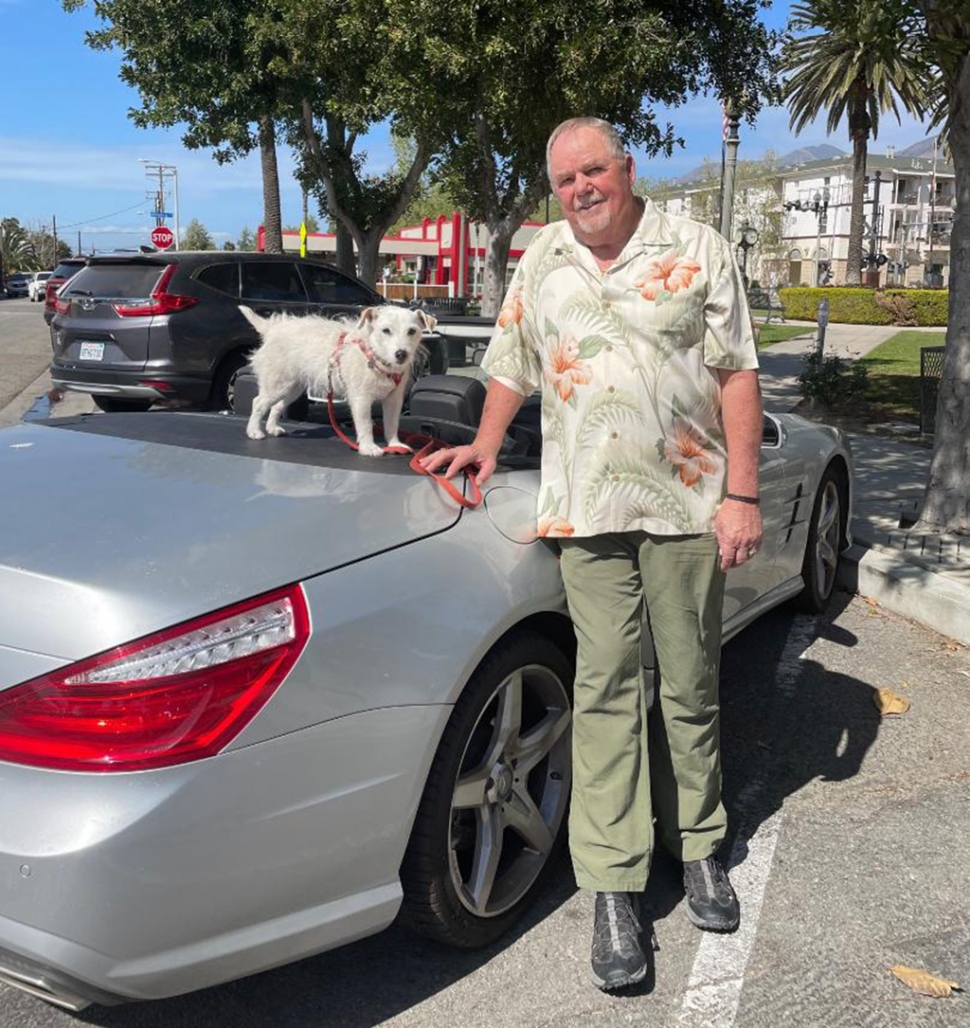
858,305
899,306
832,381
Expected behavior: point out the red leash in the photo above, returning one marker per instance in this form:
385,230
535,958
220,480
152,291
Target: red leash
427,445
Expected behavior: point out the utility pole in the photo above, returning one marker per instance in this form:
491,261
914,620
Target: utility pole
731,141
54,234
79,242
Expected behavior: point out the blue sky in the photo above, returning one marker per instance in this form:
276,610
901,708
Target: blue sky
67,147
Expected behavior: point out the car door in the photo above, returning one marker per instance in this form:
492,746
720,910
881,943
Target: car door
273,287
334,294
762,573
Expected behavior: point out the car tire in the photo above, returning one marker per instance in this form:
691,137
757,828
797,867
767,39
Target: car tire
120,405
826,534
224,382
515,757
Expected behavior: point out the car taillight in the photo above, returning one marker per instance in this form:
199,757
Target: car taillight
160,302
169,698
62,305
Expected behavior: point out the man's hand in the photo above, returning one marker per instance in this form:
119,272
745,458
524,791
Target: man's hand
460,457
738,530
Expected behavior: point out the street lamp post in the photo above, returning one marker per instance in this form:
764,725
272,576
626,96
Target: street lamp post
746,238
157,167
819,207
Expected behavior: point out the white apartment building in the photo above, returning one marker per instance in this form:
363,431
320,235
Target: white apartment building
802,214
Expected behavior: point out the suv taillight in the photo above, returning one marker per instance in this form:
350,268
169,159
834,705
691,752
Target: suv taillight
160,302
169,698
61,305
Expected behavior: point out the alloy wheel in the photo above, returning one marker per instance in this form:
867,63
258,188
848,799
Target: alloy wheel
511,792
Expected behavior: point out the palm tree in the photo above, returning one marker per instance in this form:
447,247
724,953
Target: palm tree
857,58
17,252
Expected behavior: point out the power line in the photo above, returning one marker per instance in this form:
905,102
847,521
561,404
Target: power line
101,217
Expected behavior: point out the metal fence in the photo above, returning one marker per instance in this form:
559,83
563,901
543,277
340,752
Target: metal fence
930,373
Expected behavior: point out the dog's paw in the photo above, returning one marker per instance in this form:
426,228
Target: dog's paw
276,430
398,445
255,433
370,450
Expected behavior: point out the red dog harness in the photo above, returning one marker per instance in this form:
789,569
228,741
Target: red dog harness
427,445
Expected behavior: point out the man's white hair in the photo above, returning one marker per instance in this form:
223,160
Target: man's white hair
605,129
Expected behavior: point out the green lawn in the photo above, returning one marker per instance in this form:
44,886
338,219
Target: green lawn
894,373
776,333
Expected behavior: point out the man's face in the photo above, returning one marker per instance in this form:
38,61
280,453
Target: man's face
594,187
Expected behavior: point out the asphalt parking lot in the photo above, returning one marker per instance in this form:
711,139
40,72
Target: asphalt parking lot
848,848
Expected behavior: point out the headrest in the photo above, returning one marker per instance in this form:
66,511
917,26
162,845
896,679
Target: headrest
448,397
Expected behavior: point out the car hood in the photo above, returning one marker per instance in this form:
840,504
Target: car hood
107,534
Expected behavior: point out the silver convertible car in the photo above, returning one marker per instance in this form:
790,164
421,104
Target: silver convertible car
257,699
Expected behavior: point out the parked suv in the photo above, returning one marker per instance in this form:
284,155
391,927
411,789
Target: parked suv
138,328
65,270
17,284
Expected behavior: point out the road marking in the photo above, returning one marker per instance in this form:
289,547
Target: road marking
717,977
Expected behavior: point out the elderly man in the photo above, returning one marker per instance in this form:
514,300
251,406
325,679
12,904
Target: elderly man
635,326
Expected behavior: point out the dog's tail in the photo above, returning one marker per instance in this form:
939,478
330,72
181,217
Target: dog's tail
256,320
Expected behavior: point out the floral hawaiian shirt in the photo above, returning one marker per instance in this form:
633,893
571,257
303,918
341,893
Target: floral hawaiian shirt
626,359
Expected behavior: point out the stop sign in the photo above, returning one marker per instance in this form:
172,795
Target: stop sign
162,237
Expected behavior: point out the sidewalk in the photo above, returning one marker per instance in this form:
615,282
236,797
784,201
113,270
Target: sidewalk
923,577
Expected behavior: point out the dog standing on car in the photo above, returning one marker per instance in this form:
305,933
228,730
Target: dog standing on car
363,362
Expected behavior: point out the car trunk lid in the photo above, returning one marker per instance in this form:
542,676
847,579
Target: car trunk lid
114,533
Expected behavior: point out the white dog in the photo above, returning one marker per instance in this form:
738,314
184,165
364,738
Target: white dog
362,362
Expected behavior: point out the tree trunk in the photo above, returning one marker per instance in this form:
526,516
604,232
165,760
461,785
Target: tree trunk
368,255
946,506
272,221
859,132
496,262
346,260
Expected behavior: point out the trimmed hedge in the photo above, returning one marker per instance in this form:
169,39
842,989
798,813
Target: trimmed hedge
857,305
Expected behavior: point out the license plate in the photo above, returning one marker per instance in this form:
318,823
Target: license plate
92,351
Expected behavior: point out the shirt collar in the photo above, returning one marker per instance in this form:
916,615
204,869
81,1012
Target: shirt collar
652,230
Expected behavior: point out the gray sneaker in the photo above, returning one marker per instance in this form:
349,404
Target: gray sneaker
617,958
711,902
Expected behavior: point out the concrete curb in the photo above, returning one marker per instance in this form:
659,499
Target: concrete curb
24,400
908,589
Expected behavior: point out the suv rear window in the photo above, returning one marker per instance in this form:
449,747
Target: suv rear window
224,277
64,270
17,278
117,281
271,281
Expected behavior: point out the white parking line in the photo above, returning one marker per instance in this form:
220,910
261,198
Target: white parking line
717,977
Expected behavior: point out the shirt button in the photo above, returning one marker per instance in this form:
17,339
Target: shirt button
614,435
611,389
609,347
616,478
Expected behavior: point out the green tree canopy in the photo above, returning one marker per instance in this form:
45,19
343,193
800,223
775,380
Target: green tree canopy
508,71
17,251
196,236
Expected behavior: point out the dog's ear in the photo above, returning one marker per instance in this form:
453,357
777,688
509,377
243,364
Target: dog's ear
367,315
429,321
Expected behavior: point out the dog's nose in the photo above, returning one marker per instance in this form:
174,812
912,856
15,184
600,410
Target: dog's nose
401,356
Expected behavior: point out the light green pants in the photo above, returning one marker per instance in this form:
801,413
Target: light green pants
608,579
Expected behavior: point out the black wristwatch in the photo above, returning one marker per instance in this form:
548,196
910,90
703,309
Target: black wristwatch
753,500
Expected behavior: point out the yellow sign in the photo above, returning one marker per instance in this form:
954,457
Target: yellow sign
303,239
